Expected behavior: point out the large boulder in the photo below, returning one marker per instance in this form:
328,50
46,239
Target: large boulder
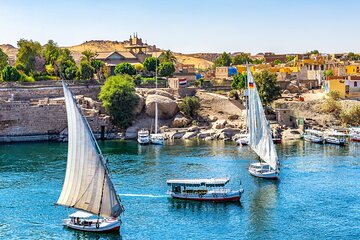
131,132
230,132
181,121
189,135
160,93
140,106
167,107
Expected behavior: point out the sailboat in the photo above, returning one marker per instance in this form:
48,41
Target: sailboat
156,138
87,186
260,138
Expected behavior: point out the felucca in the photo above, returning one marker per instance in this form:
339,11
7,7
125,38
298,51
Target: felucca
260,137
156,138
87,185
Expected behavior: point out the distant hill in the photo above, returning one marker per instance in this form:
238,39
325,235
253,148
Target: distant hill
200,60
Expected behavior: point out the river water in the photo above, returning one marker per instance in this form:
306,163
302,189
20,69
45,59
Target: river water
318,196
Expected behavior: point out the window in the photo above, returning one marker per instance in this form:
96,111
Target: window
355,84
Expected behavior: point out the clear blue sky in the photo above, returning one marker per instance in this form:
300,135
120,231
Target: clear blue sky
280,26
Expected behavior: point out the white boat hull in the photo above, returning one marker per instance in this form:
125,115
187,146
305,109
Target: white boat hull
143,140
233,196
156,139
263,172
335,141
314,139
105,225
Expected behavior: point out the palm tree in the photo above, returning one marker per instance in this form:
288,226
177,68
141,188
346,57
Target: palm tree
88,55
168,56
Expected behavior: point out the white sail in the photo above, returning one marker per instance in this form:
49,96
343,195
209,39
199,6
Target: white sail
260,139
156,101
87,185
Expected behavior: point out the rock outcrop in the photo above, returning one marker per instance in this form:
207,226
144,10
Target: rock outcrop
167,107
181,121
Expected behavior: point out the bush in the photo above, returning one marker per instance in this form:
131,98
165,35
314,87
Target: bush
86,71
334,95
166,69
352,116
125,68
10,74
26,78
189,106
119,99
331,106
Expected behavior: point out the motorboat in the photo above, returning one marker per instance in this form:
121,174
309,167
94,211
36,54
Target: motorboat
211,190
313,136
243,140
335,137
143,136
354,134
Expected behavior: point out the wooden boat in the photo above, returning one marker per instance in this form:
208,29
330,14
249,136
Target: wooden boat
87,186
260,136
314,136
211,190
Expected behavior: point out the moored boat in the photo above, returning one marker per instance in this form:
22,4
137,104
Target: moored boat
334,137
354,134
211,190
313,136
87,185
243,140
143,136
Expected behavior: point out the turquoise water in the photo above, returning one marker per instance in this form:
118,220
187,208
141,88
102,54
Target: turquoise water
318,196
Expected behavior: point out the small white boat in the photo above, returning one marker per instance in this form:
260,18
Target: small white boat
82,221
354,134
263,170
313,136
243,140
143,136
335,137
211,190
157,139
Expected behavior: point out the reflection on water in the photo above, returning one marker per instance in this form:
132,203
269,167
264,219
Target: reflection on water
178,204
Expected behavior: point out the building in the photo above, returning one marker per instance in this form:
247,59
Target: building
270,57
335,83
352,87
111,59
225,72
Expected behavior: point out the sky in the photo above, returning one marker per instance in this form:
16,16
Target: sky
189,26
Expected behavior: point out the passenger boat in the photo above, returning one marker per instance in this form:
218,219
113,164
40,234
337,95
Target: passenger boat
334,137
260,136
211,190
354,134
156,138
314,136
87,186
143,136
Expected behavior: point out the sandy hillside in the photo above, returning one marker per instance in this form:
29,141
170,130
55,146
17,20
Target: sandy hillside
98,46
198,62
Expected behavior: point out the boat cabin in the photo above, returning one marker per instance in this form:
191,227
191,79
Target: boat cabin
196,186
81,218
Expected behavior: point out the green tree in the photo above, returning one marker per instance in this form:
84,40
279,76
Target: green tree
168,56
242,58
277,62
98,67
3,60
290,58
70,72
51,52
28,51
223,60
119,99
258,61
353,57
139,67
189,106
86,71
63,62
125,68
10,74
267,86
314,52
239,81
87,56
166,69
150,64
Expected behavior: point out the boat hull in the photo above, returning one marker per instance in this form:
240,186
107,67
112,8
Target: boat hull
234,196
269,175
263,171
355,139
103,227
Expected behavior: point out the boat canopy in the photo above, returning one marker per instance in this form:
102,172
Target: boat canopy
312,131
81,214
209,182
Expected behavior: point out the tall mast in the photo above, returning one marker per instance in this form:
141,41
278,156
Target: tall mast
156,100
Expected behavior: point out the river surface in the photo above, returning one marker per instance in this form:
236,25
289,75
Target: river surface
318,196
